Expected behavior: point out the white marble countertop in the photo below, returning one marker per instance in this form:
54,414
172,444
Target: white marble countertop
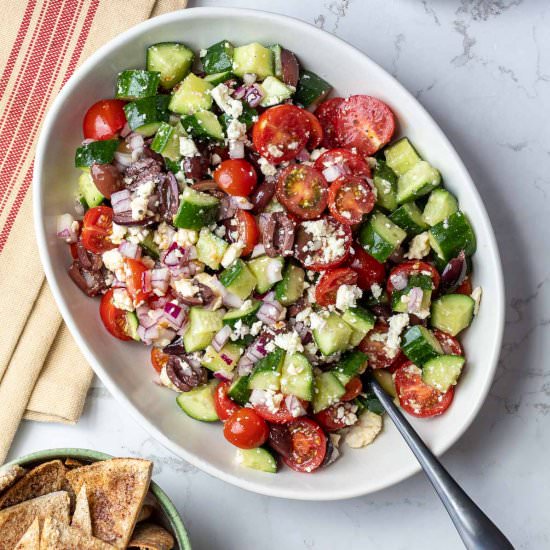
482,69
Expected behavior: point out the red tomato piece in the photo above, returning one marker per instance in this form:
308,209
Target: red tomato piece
450,345
334,418
97,229
309,445
369,270
326,113
236,177
348,163
281,133
104,119
246,429
302,190
375,349
412,267
158,359
315,129
113,318
465,287
353,388
330,282
223,404
137,285
282,416
417,397
74,252
365,123
350,198
244,229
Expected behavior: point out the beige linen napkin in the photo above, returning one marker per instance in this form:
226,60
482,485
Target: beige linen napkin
43,376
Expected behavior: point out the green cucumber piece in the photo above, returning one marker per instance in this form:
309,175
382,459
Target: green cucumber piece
452,313
401,156
167,141
218,58
257,459
267,372
441,204
420,345
199,402
333,336
239,390
204,320
246,314
210,249
290,289
409,217
385,182
442,372
238,279
136,84
225,360
150,247
297,376
417,181
368,401
311,89
132,324
219,78
196,209
350,365
277,49
195,341
453,234
96,152
145,116
204,124
361,321
88,190
274,91
380,237
327,391
171,60
191,95
265,270
253,58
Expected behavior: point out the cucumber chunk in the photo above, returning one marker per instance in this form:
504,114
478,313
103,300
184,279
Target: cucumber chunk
238,279
327,391
199,402
225,360
218,57
132,324
352,364
380,237
311,89
210,249
239,390
196,209
204,124
290,289
167,141
441,204
385,181
452,313
385,379
88,190
267,372
267,271
249,116
409,217
276,50
191,96
275,91
361,321
96,152
297,376
145,116
401,156
194,340
172,60
420,345
333,336
442,372
453,234
136,83
204,320
418,181
246,314
253,58
218,78
257,459
150,247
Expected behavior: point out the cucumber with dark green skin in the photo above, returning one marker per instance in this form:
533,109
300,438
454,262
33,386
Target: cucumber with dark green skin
239,390
196,209
261,268
297,376
327,391
452,313
409,217
249,117
132,324
385,181
167,141
311,89
203,124
420,345
401,156
260,458
267,372
277,62
290,289
442,372
172,60
350,365
247,315
238,279
453,234
380,237
441,204
199,402
218,78
361,321
96,152
218,58
417,181
88,191
146,115
368,401
150,247
136,84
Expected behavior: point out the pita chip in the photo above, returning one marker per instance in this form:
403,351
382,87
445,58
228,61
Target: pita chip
81,517
41,480
31,539
116,490
15,520
60,536
149,536
73,463
9,475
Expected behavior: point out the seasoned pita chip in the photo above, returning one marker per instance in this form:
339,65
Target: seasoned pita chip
116,489
59,536
15,520
149,536
81,517
145,513
73,463
31,539
41,480
9,475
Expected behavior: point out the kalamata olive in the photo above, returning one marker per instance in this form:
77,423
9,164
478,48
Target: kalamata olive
454,273
262,195
196,167
107,179
382,311
88,260
278,235
414,320
290,67
175,347
280,440
331,454
168,197
91,283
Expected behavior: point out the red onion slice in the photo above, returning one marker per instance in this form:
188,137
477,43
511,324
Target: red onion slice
160,278
294,406
333,172
176,256
415,299
258,250
399,281
130,250
174,314
271,312
231,300
121,201
254,95
236,149
66,228
241,203
223,375
221,338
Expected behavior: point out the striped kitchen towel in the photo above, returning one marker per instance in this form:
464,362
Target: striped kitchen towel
43,376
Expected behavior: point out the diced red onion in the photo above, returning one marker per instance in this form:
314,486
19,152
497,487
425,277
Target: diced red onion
240,92
249,78
245,366
415,299
165,334
135,141
79,208
118,284
333,172
192,253
175,256
236,149
121,201
223,375
129,250
126,130
399,281
160,279
258,250
241,203
124,159
254,95
221,337
231,300
66,228
270,313
294,406
148,317
146,284
174,314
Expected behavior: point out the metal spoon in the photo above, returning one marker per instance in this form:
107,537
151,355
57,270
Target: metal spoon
476,530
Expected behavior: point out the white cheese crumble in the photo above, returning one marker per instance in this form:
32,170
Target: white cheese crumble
136,234
186,237
376,290
316,153
269,398
232,252
365,432
397,325
185,287
266,167
122,300
476,297
347,296
236,130
202,52
113,260
274,151
188,147
119,231
316,321
165,381
164,236
327,242
290,342
233,107
256,328
419,247
140,200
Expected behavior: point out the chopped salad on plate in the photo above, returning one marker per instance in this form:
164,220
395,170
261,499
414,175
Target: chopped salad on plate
270,243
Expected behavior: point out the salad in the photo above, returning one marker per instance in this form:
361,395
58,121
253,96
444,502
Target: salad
271,245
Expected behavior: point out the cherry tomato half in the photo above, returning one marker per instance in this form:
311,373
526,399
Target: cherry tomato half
223,404
365,123
282,416
465,287
348,163
331,280
412,267
158,359
450,345
369,270
137,283
315,129
309,445
104,119
236,177
326,113
334,418
350,198
113,318
281,133
244,229
375,349
246,429
302,190
417,397
353,388
97,228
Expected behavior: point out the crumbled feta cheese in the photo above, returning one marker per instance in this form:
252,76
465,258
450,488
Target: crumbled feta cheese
220,231
270,346
396,325
316,321
165,381
113,260
202,52
274,151
290,342
236,130
185,287
186,237
376,290
141,199
119,231
365,432
136,234
327,242
347,296
269,398
122,300
232,252
240,330
419,247
164,236
476,297
188,147
233,107
256,328
266,167
316,153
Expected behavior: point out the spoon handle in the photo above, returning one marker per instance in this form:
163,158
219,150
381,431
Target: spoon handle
476,530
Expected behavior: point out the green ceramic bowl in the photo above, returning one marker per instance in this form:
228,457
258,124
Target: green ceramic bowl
169,512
